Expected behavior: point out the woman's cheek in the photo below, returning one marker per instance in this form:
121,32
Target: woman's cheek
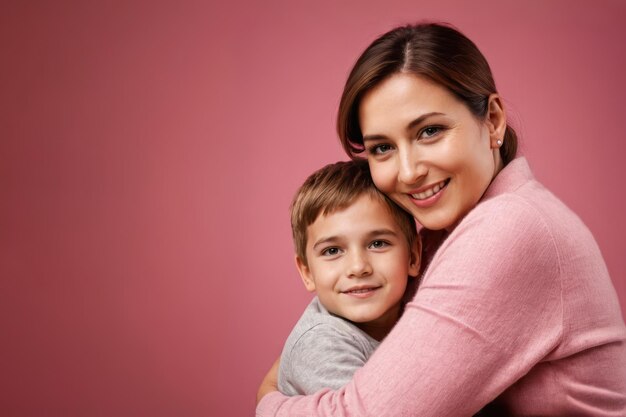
382,175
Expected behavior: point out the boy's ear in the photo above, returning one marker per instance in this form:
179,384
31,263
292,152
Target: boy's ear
305,274
416,257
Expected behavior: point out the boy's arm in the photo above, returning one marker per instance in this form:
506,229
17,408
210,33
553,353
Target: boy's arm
324,357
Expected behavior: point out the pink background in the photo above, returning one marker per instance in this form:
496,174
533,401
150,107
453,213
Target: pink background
149,151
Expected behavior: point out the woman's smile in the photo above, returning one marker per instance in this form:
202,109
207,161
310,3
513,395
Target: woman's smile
429,195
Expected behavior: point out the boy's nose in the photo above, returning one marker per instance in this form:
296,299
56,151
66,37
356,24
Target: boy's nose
359,266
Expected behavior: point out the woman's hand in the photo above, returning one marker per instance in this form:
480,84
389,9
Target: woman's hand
269,383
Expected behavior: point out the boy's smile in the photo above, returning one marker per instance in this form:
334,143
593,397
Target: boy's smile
358,263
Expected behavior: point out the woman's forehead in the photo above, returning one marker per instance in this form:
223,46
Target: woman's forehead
403,98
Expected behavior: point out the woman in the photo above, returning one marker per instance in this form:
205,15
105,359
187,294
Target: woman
516,307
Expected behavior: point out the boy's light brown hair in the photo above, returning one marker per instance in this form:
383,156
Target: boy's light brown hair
334,187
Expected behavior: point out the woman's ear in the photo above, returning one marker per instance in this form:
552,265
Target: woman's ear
416,257
496,120
305,274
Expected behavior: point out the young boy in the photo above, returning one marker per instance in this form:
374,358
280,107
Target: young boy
356,249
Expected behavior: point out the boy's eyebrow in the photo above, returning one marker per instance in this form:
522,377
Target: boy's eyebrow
325,240
382,232
370,235
410,126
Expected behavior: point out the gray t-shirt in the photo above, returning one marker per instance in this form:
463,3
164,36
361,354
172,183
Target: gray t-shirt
322,351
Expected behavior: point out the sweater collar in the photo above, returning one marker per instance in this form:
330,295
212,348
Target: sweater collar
510,178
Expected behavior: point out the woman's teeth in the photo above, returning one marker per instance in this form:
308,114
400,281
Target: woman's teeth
429,193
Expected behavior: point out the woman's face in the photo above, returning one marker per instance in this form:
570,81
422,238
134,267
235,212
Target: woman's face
425,149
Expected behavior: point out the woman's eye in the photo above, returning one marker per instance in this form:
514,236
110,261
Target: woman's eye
380,149
378,244
330,252
430,131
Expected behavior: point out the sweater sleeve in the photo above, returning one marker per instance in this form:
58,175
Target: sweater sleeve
489,308
323,357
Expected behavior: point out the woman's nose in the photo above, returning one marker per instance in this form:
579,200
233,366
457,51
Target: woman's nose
410,169
359,265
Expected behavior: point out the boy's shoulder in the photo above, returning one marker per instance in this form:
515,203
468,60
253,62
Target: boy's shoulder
323,350
318,325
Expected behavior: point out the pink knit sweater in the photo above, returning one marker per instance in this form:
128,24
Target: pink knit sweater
516,308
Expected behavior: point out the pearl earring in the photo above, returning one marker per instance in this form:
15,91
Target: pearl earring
499,142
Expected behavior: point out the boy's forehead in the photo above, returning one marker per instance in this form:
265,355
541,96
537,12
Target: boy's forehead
363,213
363,199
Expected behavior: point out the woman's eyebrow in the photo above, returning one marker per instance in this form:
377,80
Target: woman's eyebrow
421,119
411,125
373,137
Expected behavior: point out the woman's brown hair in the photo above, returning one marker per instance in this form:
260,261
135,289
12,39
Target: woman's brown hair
431,50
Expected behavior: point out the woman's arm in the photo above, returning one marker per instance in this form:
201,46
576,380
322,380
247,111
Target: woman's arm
487,311
269,383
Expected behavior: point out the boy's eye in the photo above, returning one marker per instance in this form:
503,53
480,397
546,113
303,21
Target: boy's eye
333,251
378,244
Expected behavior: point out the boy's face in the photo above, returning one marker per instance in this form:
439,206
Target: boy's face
359,262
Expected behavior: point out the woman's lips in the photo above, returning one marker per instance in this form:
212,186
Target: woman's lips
426,197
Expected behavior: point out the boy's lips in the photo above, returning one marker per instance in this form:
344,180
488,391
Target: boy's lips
361,290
